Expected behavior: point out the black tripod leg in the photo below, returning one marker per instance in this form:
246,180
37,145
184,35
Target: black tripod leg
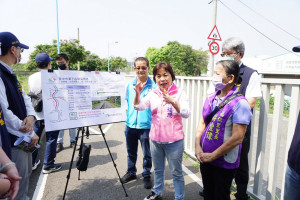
71,163
80,150
113,160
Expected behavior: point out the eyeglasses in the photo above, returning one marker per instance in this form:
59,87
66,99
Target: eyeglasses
229,54
21,49
142,68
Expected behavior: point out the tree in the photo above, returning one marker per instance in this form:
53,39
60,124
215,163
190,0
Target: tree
76,52
115,64
72,48
184,60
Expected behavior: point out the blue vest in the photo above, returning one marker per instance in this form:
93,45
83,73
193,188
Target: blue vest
245,74
14,96
5,138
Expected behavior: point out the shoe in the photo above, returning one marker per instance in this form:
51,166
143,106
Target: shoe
72,144
59,147
153,196
49,170
128,177
35,164
241,197
147,182
201,193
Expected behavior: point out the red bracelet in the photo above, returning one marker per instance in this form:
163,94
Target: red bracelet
11,182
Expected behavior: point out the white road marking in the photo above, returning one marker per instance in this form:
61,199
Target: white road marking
40,186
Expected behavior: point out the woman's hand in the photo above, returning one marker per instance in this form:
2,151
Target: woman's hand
198,152
207,157
167,98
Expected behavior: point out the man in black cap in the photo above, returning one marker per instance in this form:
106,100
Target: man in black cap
292,175
18,112
43,62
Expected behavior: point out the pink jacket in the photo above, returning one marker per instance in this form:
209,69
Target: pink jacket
166,125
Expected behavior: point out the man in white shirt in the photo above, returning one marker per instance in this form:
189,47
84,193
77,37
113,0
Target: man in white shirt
43,62
250,88
17,109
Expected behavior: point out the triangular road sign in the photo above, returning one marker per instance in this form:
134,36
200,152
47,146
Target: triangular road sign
214,34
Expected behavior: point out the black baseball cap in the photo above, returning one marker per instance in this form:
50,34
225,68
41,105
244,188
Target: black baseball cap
296,49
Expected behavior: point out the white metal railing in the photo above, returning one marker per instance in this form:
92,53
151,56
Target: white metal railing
271,133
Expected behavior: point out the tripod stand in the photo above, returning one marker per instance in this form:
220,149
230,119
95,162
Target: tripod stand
71,163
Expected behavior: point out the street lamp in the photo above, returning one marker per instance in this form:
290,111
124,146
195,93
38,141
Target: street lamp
116,42
58,45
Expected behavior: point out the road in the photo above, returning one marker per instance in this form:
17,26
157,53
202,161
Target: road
101,181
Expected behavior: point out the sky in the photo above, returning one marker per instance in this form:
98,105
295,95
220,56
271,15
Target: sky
137,25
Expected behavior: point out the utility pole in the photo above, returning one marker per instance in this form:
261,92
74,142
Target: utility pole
210,67
78,64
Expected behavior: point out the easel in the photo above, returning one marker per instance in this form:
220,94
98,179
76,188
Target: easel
73,154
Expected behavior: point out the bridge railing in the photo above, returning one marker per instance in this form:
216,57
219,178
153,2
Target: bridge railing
271,133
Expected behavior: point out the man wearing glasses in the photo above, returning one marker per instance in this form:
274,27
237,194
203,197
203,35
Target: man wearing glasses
138,125
250,87
17,108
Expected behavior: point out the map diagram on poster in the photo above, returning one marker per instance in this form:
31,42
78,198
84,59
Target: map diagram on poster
74,99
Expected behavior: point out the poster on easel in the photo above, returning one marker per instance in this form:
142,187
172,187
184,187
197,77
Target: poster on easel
74,99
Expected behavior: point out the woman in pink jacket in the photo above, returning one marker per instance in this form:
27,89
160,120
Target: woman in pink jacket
168,105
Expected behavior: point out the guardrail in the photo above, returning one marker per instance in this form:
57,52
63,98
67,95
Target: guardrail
271,133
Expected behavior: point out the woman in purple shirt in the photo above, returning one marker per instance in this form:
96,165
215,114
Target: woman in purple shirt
219,135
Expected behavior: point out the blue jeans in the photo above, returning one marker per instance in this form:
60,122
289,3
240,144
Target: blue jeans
173,152
72,134
292,184
50,152
132,137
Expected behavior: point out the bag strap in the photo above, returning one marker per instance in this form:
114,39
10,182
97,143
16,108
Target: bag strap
219,107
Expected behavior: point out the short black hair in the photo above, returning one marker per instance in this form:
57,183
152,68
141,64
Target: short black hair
5,49
166,66
142,59
42,65
62,55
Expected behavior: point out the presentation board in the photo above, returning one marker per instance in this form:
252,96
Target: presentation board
74,99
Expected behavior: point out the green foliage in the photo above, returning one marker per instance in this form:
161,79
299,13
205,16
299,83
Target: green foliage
76,53
286,107
19,67
184,60
117,64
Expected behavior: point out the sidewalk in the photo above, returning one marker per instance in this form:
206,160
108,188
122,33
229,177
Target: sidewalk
101,181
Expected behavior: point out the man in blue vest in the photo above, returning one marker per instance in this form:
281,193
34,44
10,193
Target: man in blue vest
138,125
292,175
18,111
43,61
250,87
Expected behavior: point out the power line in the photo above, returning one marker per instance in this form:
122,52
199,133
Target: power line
257,29
269,20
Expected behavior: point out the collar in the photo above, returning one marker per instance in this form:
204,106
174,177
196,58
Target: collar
7,67
147,82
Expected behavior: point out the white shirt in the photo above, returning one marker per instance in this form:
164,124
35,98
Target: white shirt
12,122
253,89
35,86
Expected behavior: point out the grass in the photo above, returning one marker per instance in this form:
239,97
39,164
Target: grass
24,82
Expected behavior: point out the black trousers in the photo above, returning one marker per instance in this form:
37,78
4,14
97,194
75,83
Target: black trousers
216,181
242,173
